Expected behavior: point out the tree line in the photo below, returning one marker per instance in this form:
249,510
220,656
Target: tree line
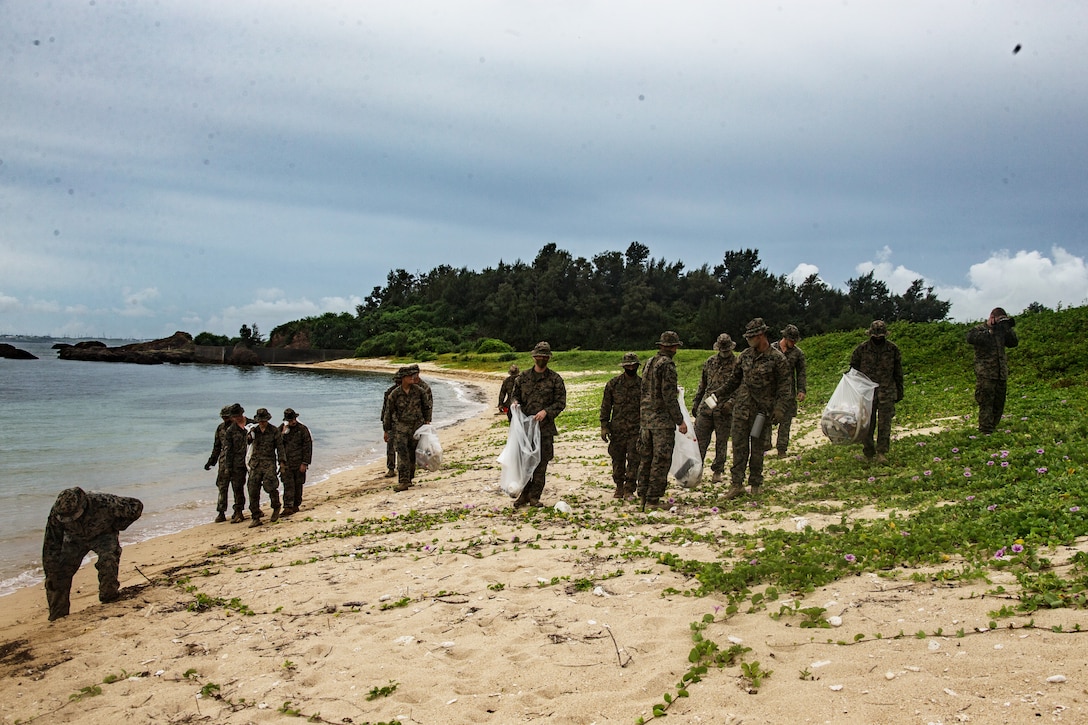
614,301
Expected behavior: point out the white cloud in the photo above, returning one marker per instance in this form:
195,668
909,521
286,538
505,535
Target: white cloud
9,304
802,272
267,313
135,302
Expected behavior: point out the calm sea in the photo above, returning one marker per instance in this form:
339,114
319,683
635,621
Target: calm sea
146,431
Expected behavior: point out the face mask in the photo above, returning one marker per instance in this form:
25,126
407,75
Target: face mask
878,340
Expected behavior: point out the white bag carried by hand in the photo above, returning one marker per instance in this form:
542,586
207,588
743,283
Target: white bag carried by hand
687,464
846,416
429,449
521,455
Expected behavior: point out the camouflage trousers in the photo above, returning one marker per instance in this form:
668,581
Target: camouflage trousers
293,481
535,487
405,445
625,460
880,423
59,571
234,481
655,448
717,423
990,396
783,440
391,454
748,452
263,476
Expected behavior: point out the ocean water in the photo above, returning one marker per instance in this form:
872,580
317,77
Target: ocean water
147,430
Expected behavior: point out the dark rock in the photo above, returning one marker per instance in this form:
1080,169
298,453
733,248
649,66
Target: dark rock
14,353
177,348
89,345
242,355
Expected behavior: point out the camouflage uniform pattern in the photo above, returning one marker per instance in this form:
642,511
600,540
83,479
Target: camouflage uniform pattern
390,445
66,544
760,383
535,392
267,449
795,358
222,475
506,393
298,447
660,414
620,416
233,444
883,364
991,370
406,411
717,421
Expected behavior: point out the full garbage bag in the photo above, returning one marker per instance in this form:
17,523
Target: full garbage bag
846,417
687,464
429,448
521,455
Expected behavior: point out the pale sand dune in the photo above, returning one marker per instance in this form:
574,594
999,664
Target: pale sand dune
480,640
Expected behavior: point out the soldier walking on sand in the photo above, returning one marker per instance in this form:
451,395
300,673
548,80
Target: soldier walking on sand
79,523
619,425
222,477
266,443
233,455
542,394
714,420
298,446
760,382
390,445
409,407
795,358
659,419
880,360
992,366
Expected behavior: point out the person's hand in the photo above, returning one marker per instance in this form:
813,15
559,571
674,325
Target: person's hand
683,429
207,466
693,413
302,467
800,396
539,417
385,436
604,433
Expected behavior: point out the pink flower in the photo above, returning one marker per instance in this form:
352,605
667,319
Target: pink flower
1000,553
1017,548
850,558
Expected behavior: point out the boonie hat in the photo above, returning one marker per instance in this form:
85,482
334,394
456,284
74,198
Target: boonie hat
629,358
514,370
542,349
878,329
237,409
669,339
262,414
790,332
412,369
224,412
724,343
755,327
289,414
70,505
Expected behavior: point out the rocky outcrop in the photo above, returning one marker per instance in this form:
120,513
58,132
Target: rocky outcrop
178,348
14,353
242,355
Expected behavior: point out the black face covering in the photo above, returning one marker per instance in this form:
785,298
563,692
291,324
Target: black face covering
630,371
878,340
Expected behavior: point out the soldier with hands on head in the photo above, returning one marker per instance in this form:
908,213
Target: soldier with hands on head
659,419
266,454
716,419
795,358
992,366
761,387
408,407
541,394
619,425
79,523
879,359
298,447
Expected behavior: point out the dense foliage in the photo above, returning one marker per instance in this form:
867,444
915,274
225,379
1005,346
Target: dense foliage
614,301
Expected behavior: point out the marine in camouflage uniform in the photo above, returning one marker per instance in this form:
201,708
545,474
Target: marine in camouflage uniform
542,394
298,447
795,358
266,450
619,425
79,523
880,360
761,384
992,366
390,445
506,392
408,407
233,445
718,420
659,418
222,477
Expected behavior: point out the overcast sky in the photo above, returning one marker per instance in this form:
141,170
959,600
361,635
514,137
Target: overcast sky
197,165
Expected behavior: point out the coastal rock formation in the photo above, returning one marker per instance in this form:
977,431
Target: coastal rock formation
178,348
14,353
242,355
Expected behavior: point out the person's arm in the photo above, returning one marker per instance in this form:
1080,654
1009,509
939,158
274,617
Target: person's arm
897,373
217,448
802,375
559,397
307,447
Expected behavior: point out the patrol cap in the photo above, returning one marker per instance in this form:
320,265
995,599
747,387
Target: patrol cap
262,414
237,409
70,504
629,358
224,412
542,349
755,327
790,332
669,339
878,329
289,414
724,343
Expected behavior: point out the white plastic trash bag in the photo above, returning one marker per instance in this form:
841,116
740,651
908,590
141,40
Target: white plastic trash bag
429,449
687,464
846,416
521,455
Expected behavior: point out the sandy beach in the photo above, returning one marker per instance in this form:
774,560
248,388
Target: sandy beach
442,605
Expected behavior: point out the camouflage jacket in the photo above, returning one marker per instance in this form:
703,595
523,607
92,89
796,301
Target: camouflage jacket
659,406
760,383
541,391
883,364
385,403
298,445
267,446
233,442
217,444
716,371
620,404
990,343
105,513
506,392
406,410
795,358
